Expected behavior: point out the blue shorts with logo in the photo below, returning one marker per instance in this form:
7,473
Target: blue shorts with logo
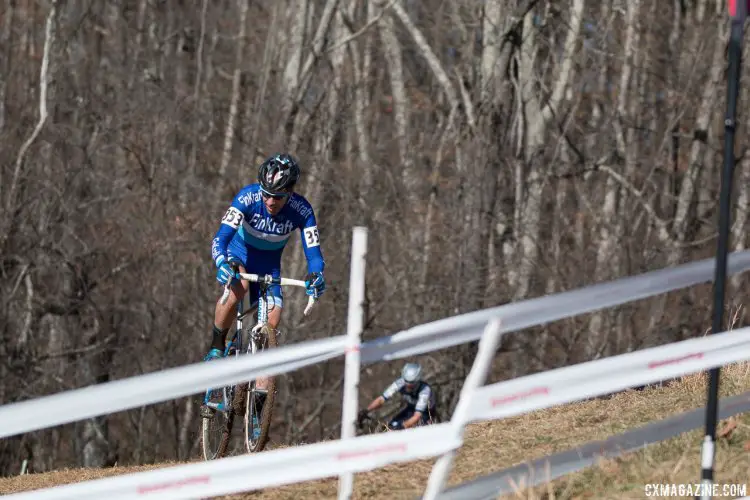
262,263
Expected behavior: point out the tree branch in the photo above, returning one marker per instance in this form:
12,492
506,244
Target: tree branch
428,54
318,41
78,350
43,83
318,409
469,107
576,14
355,34
661,224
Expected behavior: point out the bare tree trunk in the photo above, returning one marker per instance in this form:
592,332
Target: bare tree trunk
610,224
449,91
447,135
254,109
492,40
530,177
140,25
538,119
325,141
190,177
298,79
697,149
10,197
392,51
362,102
296,35
5,38
739,228
186,429
493,94
236,77
676,35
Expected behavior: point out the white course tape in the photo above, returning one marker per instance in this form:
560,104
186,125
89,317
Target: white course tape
500,400
152,388
538,311
270,468
165,385
605,376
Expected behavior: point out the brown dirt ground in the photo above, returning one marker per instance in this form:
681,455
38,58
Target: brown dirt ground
490,446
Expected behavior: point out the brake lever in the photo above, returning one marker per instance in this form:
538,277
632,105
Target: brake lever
310,304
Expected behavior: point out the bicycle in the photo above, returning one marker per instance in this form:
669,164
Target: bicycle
371,424
234,400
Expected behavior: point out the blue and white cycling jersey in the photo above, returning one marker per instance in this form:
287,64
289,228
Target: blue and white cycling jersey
250,234
421,398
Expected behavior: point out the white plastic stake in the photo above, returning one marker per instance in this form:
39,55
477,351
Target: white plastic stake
354,326
477,376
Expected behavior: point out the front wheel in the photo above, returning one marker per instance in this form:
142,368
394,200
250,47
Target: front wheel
216,428
259,410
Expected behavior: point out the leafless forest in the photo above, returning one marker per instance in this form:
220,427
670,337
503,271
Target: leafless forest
496,150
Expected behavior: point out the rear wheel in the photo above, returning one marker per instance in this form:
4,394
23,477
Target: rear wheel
216,430
258,411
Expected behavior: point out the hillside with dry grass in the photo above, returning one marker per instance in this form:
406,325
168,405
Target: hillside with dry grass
495,445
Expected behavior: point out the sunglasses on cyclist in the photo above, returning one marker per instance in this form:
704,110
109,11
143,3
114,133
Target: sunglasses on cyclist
275,196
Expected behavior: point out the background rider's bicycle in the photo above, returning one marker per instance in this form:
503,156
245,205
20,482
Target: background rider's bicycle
371,424
222,405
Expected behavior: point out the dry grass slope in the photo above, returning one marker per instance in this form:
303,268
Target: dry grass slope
494,445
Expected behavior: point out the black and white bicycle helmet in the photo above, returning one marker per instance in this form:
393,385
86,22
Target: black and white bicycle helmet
411,373
278,173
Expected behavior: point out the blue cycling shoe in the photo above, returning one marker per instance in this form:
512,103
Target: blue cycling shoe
213,354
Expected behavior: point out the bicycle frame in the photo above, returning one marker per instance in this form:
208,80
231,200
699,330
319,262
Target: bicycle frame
254,339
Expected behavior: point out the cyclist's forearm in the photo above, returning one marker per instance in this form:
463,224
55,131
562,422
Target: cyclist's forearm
412,421
219,245
315,262
376,403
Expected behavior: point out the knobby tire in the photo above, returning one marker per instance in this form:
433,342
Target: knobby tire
265,420
226,432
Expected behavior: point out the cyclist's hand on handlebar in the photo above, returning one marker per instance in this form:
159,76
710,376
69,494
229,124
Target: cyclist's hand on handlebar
315,285
363,414
226,272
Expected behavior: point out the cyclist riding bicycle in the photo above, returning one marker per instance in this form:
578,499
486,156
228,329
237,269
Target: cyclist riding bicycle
421,408
253,233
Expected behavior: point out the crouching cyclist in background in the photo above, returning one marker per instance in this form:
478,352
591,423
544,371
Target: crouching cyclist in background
419,397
